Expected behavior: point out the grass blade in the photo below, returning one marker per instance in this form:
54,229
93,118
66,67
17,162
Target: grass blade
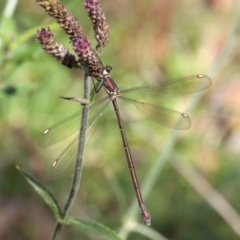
44,193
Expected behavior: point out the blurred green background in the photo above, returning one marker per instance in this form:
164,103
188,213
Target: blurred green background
197,191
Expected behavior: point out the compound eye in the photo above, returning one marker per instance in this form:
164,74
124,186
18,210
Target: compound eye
108,68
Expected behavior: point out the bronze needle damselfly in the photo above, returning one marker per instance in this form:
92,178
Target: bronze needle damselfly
161,115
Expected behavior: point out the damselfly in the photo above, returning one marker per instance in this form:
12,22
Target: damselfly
166,117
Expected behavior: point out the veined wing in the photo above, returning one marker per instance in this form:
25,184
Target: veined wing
71,124
173,88
164,116
70,152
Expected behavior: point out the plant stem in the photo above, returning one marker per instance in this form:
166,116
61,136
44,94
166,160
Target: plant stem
79,160
10,8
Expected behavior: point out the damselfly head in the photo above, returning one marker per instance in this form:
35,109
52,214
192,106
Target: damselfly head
108,68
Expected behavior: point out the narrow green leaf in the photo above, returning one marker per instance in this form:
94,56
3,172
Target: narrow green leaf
44,193
94,228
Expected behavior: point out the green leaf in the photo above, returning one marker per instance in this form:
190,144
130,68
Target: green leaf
44,193
93,227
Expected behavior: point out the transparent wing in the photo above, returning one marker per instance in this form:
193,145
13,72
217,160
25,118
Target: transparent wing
65,158
173,88
70,125
70,152
164,116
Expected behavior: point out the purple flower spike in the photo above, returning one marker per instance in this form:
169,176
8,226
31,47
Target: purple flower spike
99,22
57,50
81,47
45,36
91,5
65,19
87,56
